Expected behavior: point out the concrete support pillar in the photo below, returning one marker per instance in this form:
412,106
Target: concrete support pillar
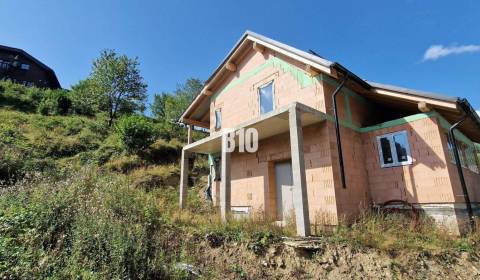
189,135
225,183
184,165
300,199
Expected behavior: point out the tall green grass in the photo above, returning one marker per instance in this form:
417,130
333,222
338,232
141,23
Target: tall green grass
396,232
90,225
97,225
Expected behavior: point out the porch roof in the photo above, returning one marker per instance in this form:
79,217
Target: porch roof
270,124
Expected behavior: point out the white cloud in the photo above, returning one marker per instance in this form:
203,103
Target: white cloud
434,52
478,112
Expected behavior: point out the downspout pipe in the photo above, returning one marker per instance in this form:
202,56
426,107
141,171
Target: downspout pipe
337,128
451,135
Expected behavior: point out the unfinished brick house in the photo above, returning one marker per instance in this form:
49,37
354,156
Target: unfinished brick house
323,162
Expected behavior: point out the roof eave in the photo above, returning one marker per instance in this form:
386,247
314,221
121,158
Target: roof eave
353,76
466,107
310,59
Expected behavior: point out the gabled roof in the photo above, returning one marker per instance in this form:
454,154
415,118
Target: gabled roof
53,76
449,105
275,45
323,65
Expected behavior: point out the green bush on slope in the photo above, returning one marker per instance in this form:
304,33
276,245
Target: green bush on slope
55,102
19,97
136,132
89,225
32,99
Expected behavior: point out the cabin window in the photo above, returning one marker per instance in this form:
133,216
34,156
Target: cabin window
218,119
4,64
394,149
266,98
25,66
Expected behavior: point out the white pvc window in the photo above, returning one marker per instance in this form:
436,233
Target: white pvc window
394,149
266,96
218,118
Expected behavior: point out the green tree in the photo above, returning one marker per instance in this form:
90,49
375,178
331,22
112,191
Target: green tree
136,132
87,98
158,105
118,78
168,107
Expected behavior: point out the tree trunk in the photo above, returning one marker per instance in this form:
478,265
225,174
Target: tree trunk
111,116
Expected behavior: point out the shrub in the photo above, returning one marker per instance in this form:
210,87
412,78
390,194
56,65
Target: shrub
136,132
20,97
11,163
10,134
55,102
88,226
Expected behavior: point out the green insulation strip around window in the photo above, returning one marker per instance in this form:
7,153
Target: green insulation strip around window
305,80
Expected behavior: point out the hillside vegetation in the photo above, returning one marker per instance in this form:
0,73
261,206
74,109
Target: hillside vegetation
85,196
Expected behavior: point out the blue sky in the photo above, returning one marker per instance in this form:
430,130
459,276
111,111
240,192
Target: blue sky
427,45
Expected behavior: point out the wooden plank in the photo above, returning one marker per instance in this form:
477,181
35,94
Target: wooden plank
407,97
311,70
230,66
424,107
257,47
195,123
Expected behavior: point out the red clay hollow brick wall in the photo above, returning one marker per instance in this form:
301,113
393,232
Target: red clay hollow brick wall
253,175
425,181
240,103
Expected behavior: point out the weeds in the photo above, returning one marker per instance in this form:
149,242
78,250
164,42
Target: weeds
94,224
91,224
394,232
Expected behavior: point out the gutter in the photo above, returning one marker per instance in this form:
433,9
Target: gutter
337,129
468,109
347,75
468,112
352,76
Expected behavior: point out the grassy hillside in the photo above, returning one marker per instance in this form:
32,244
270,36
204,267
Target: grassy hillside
32,142
75,202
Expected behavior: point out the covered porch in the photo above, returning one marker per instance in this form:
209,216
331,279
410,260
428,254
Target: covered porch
289,119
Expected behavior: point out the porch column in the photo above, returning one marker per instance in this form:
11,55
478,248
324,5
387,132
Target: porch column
189,134
184,166
225,184
300,199
184,162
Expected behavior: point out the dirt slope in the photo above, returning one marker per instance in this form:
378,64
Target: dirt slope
331,261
